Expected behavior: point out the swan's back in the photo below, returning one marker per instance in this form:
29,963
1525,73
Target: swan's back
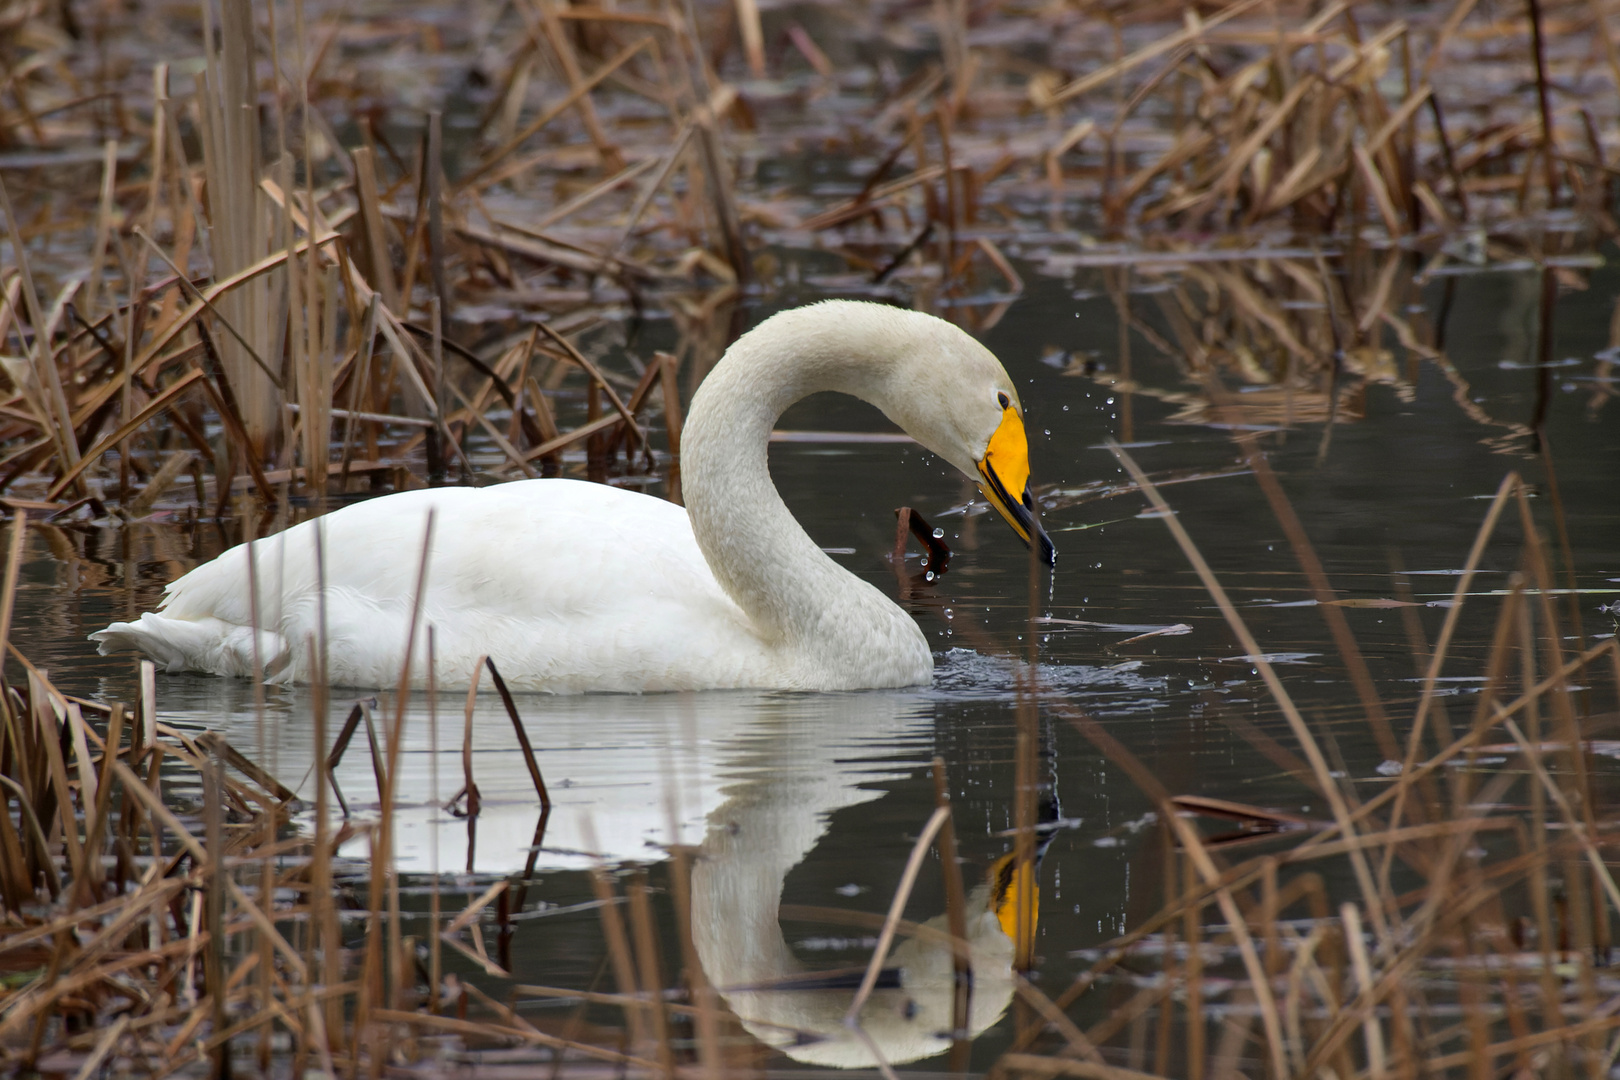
570,586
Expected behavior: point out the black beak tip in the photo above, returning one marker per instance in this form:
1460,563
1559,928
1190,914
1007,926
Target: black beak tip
1027,517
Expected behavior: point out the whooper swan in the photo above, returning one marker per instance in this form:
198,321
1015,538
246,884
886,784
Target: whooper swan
574,587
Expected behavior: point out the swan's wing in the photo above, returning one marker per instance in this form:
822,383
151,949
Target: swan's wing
569,585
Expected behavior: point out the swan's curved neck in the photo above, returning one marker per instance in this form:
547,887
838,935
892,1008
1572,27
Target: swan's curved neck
760,555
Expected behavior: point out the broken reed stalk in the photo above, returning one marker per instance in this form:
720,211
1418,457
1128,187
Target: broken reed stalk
902,893
637,998
522,735
707,1025
8,585
435,914
955,895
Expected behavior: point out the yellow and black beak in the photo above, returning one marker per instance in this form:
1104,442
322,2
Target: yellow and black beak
1005,469
1012,887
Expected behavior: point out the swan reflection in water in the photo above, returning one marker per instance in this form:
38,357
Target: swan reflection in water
788,782
756,775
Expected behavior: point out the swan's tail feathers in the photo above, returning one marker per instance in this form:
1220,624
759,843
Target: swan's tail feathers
208,644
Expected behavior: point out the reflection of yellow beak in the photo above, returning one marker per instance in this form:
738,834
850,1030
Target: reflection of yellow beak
1005,469
1008,889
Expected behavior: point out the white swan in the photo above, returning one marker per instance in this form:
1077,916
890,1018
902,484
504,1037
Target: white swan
575,587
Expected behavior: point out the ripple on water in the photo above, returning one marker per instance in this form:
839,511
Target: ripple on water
1111,690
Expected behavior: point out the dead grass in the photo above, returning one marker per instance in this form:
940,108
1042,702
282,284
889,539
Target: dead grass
294,299
175,224
161,915
1508,929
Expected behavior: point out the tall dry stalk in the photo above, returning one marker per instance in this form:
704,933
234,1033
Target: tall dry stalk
239,217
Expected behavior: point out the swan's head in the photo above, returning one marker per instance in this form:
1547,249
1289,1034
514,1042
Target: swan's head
945,389
953,396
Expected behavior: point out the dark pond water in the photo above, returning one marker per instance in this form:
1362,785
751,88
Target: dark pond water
818,799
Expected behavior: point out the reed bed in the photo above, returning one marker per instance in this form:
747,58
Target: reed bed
264,273
162,915
1458,922
256,280
1287,340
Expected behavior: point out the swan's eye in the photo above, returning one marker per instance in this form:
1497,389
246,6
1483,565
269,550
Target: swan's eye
1006,402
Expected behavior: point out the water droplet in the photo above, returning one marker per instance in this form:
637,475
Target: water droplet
1110,401
928,576
938,533
1046,431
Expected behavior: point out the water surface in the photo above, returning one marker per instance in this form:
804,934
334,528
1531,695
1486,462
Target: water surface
822,796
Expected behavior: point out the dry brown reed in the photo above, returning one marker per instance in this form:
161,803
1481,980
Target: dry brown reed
1452,134
1471,927
1282,338
1503,918
287,294
166,931
289,281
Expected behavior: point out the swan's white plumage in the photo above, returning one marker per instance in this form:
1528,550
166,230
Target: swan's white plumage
575,587
570,586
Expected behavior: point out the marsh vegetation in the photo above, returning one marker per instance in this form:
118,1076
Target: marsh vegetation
1308,745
